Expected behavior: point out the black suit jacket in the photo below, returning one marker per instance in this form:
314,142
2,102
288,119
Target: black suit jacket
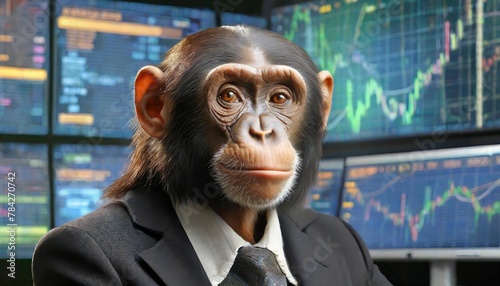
140,241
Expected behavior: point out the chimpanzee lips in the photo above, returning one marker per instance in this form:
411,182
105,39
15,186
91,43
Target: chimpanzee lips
264,172
256,168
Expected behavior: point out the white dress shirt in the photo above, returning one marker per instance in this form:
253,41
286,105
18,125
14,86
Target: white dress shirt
217,244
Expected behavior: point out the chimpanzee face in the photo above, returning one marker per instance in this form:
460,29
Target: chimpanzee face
239,106
258,106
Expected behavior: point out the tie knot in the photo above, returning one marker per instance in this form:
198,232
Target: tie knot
255,266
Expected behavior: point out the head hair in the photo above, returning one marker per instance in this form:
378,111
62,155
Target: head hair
179,163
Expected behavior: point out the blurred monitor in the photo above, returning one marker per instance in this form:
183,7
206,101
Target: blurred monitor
231,19
24,50
402,68
24,201
324,196
441,204
101,45
82,173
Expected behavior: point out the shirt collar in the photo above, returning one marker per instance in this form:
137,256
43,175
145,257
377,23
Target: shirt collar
217,244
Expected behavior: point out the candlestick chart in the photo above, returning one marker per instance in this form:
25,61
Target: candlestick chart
434,202
402,68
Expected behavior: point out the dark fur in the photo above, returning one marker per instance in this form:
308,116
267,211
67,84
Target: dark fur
180,162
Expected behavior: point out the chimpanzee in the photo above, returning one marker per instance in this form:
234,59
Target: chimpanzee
227,145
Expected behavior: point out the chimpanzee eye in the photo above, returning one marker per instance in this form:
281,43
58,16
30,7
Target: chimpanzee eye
279,98
229,95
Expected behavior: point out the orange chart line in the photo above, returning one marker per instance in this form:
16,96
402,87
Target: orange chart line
113,27
23,73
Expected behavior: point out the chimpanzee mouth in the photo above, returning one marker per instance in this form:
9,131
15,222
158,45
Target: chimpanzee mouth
254,168
258,171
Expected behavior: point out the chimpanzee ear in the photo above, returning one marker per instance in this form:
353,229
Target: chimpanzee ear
151,109
326,82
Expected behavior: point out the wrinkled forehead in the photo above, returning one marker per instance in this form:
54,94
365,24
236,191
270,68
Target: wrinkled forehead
246,74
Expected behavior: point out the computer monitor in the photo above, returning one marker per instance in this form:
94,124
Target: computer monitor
439,204
101,45
24,61
24,201
231,19
82,173
402,68
324,196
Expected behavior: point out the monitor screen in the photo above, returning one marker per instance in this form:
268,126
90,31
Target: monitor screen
242,19
82,173
446,201
24,50
402,68
101,45
24,204
324,196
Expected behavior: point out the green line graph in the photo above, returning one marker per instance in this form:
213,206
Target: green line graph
415,220
394,81
440,200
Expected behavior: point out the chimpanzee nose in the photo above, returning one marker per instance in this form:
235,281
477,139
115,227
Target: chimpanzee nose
263,129
260,134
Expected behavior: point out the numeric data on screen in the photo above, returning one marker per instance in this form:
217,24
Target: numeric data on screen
82,172
24,62
324,196
101,45
24,198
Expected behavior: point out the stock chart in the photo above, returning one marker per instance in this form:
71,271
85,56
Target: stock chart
432,199
402,68
101,45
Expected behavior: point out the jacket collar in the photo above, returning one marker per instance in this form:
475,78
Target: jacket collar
172,258
310,255
150,210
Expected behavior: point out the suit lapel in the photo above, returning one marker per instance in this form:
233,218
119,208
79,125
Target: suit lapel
310,259
172,258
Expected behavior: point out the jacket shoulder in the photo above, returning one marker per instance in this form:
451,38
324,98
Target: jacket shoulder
350,244
94,222
112,224
101,248
336,237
